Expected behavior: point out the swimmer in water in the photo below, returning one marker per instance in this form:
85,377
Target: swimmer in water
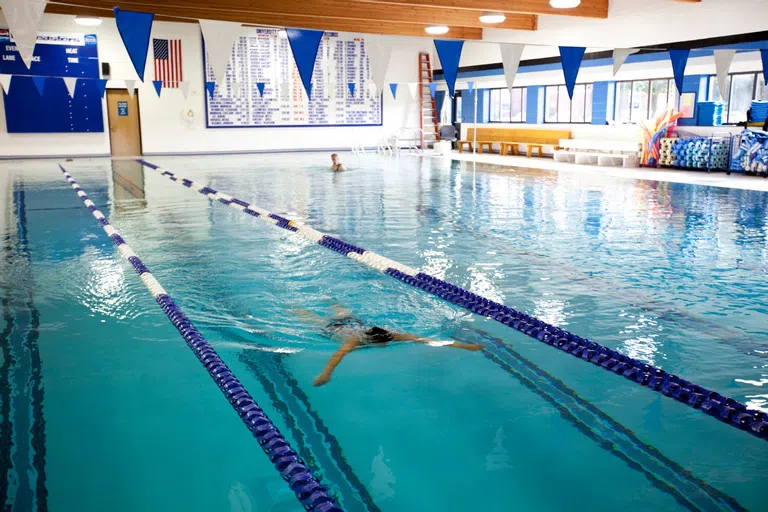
336,165
353,333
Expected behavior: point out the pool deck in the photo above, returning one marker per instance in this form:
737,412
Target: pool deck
714,179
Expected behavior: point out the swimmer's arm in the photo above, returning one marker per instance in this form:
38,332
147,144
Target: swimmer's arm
399,336
349,345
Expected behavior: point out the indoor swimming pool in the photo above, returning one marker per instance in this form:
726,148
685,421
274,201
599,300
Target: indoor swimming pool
104,407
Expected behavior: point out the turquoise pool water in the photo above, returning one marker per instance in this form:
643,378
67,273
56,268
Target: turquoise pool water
105,408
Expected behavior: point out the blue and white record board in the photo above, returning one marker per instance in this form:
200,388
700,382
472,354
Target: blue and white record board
56,55
263,56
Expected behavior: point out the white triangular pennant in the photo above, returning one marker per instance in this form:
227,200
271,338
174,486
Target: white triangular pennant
413,87
71,83
373,89
23,17
236,89
620,57
220,37
131,86
511,53
5,83
723,60
184,87
378,60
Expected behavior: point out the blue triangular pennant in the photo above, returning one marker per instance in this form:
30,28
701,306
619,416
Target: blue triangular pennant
210,86
432,89
393,88
102,85
304,45
470,87
39,83
260,87
571,57
679,61
449,53
134,28
351,86
158,86
764,56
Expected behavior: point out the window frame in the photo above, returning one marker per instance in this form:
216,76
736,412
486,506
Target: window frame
712,85
671,89
523,105
587,105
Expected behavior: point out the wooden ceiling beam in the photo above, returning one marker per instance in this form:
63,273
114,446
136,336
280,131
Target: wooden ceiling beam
283,20
587,9
333,9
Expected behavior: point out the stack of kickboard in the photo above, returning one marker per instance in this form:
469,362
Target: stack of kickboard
759,111
710,113
695,153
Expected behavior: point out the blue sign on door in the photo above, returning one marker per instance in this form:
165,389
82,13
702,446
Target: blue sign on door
122,108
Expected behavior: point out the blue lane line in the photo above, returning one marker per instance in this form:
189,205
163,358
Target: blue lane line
310,493
725,409
722,408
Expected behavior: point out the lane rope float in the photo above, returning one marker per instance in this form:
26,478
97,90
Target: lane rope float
308,489
725,409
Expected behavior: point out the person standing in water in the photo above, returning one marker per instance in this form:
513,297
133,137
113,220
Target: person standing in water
353,333
336,165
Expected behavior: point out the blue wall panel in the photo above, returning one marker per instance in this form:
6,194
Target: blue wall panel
534,110
468,105
602,102
27,112
695,84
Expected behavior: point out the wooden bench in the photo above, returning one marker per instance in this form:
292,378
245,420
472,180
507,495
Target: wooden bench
511,139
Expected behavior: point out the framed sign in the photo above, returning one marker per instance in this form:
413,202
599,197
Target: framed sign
262,86
122,108
688,104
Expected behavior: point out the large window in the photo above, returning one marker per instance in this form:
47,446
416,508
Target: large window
561,109
639,100
741,89
508,107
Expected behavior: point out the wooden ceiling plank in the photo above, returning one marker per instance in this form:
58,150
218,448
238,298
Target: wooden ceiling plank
587,9
282,20
326,9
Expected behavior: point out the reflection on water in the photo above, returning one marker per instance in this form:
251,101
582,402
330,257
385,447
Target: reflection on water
128,182
383,478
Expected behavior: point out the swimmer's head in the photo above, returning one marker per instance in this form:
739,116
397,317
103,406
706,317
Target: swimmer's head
334,157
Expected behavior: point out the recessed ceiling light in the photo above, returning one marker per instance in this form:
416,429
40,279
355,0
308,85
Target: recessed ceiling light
492,17
564,4
88,21
436,30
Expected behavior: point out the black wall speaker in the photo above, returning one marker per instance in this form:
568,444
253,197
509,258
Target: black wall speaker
105,69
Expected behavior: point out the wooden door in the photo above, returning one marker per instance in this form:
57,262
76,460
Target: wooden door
124,128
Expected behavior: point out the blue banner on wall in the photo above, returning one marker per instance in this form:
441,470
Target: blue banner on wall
45,106
27,111
55,55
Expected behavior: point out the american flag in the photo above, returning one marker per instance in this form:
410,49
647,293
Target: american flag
168,61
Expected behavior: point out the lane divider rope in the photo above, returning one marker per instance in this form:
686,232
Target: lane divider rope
711,403
308,489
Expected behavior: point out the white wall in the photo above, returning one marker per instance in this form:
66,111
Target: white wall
164,130
630,23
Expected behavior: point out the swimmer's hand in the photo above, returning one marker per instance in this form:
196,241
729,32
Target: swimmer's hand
321,379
